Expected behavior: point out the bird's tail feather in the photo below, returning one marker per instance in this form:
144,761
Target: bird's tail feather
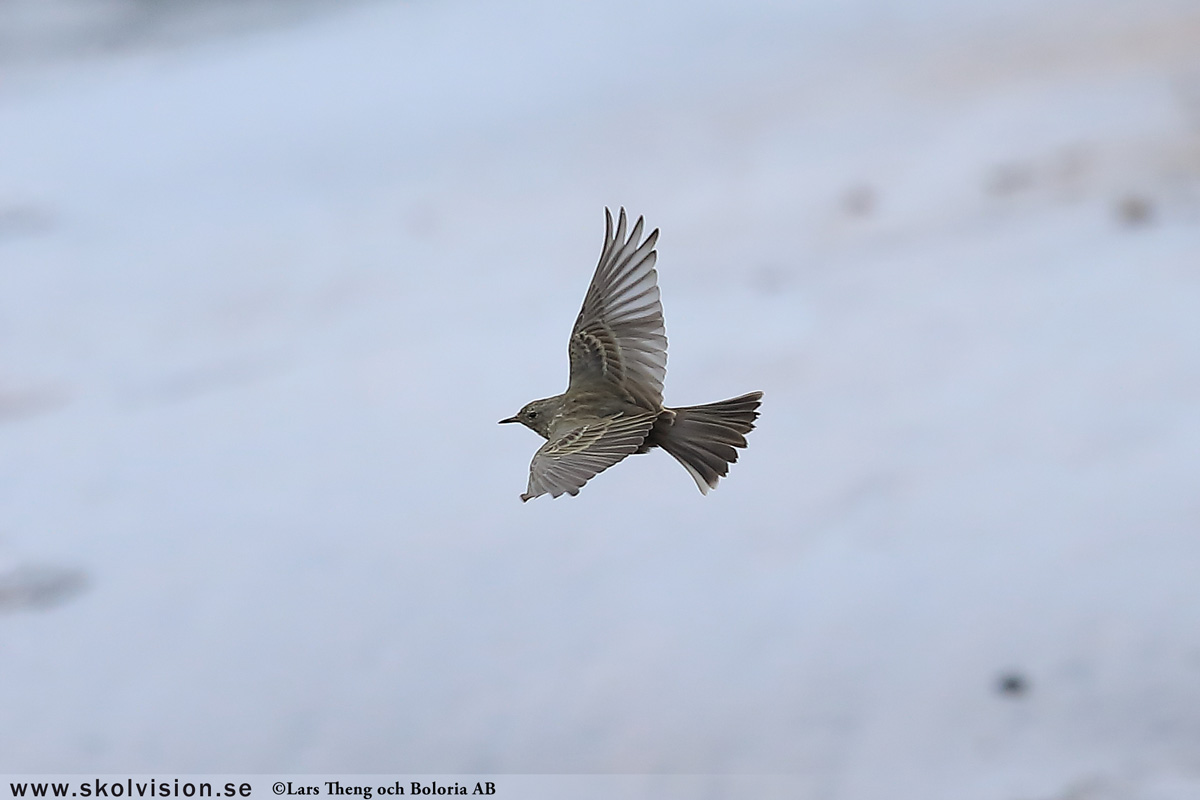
703,438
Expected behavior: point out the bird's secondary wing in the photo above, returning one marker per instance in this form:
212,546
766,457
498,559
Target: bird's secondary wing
619,334
573,457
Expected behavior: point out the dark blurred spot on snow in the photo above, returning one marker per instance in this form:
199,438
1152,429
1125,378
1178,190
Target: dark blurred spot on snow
38,587
1135,211
860,201
23,220
1009,179
1012,684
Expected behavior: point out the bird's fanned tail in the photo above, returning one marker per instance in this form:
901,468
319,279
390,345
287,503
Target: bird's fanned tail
704,438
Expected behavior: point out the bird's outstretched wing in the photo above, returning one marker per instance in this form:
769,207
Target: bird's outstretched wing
619,334
573,457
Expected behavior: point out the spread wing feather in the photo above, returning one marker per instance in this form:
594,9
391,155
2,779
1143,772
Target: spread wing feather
619,335
573,457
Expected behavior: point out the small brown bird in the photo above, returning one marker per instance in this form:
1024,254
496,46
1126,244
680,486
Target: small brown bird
613,404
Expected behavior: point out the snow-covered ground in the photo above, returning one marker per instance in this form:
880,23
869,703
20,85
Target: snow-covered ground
264,295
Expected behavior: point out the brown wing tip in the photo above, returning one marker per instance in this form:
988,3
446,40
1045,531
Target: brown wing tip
525,498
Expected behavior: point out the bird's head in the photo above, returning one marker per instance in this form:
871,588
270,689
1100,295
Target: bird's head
537,415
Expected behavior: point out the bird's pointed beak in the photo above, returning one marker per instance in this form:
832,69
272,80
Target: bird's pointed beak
510,419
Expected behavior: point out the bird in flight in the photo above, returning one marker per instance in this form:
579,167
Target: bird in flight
612,407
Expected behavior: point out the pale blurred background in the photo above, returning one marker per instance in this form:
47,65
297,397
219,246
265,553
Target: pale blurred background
271,271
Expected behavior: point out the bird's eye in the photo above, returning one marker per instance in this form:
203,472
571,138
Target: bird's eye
532,415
